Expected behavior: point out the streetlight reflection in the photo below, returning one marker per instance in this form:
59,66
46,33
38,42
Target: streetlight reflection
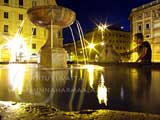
102,92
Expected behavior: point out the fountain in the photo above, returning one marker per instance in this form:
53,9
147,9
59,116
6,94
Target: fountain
52,55
109,55
78,87
54,18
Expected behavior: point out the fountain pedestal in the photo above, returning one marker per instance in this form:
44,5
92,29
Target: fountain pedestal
55,58
54,19
53,54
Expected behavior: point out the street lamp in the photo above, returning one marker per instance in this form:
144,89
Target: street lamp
102,28
91,45
102,43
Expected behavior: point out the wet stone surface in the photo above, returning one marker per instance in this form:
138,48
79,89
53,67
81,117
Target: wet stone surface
28,111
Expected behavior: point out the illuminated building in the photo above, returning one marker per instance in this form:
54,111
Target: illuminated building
15,25
145,19
96,40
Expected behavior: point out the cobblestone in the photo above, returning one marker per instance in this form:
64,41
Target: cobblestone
29,111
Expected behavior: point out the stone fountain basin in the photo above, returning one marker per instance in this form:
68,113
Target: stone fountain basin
44,16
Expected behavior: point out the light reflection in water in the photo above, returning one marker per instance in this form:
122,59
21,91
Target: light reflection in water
102,92
90,69
16,77
122,93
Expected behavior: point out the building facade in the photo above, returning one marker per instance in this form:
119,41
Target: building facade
97,42
146,19
19,37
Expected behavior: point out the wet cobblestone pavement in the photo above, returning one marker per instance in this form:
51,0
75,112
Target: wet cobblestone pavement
29,111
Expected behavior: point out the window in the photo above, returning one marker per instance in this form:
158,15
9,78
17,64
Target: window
5,28
60,34
33,46
34,3
6,1
20,16
20,2
147,26
147,36
139,28
5,14
33,31
139,16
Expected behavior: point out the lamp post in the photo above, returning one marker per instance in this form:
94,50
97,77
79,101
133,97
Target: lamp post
102,28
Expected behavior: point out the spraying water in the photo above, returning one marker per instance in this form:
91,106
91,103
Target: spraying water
81,40
17,45
75,48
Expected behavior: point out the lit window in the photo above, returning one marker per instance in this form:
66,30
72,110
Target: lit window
20,16
20,2
5,14
34,31
5,28
34,3
33,46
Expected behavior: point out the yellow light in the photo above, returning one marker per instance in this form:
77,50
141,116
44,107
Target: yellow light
134,55
102,43
16,77
102,27
10,105
17,47
102,92
90,69
91,45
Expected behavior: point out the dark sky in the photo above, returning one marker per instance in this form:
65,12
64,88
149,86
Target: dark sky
92,12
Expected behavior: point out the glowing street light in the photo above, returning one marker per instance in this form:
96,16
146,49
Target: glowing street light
102,43
91,45
102,28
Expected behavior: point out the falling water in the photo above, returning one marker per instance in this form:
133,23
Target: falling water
52,29
15,45
21,26
17,33
81,40
75,48
30,42
74,88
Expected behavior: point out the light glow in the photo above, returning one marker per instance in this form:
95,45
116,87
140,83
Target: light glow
16,77
18,48
90,70
102,92
102,43
91,45
102,27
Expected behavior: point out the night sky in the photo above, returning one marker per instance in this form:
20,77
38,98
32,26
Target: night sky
92,12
